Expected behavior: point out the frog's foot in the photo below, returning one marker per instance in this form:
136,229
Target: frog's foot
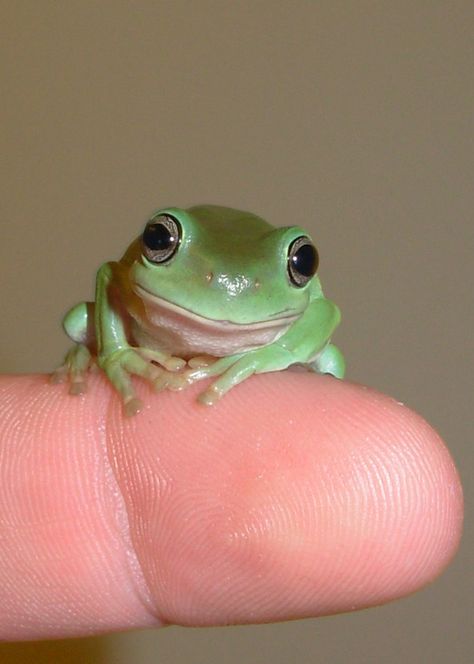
201,361
132,407
202,366
210,396
172,381
212,367
329,361
75,367
178,381
169,362
120,365
234,375
232,371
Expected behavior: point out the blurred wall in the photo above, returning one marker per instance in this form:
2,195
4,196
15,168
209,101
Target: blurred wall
354,119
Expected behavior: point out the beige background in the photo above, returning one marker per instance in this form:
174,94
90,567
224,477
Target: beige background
354,119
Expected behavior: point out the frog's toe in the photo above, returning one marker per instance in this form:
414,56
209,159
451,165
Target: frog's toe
174,363
77,387
200,361
160,383
75,367
58,376
132,407
178,385
170,381
169,362
210,396
133,363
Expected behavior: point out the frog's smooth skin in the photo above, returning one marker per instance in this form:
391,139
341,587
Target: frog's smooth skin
204,292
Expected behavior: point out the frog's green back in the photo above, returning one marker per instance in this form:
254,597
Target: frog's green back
218,218
220,221
230,235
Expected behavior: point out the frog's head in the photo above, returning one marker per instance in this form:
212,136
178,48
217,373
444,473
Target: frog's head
225,265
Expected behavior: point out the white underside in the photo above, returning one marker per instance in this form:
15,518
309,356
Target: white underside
181,332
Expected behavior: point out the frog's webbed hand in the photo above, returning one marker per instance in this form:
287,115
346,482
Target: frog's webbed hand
123,362
202,366
78,324
77,362
231,371
236,368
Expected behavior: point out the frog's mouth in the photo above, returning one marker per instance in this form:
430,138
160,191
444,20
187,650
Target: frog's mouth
279,322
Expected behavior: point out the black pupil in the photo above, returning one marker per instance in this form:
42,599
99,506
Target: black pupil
304,260
158,237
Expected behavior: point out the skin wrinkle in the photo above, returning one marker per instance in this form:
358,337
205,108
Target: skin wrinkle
122,520
136,474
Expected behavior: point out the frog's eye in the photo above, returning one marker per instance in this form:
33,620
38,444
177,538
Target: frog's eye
303,261
161,238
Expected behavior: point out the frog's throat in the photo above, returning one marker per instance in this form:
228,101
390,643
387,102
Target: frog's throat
281,322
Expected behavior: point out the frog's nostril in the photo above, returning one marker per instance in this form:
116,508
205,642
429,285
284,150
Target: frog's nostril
256,284
209,277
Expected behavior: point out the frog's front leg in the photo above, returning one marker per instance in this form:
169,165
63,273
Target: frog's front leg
115,355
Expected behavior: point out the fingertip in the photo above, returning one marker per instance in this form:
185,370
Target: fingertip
295,495
402,492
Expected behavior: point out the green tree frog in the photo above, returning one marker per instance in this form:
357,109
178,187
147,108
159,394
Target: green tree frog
207,292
